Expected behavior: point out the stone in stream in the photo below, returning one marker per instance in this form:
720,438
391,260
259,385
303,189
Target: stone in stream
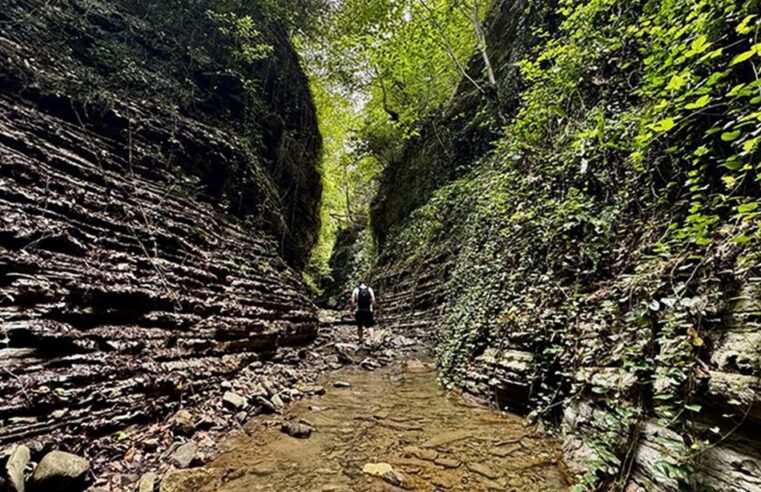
447,462
388,474
184,455
415,365
446,438
342,384
15,466
504,451
267,406
277,402
312,390
442,481
482,469
233,401
423,454
293,429
60,471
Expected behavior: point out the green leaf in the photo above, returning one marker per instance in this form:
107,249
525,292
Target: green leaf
664,125
698,46
678,81
744,27
730,136
693,408
746,208
701,151
700,103
742,57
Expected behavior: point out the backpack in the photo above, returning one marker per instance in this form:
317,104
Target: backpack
364,299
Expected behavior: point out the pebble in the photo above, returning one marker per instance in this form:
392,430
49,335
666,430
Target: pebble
342,384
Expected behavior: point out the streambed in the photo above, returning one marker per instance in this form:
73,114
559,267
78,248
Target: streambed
390,429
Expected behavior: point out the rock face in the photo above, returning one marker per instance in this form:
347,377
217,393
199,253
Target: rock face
156,200
539,279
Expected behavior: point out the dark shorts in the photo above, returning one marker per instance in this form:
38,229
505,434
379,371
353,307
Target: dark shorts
364,318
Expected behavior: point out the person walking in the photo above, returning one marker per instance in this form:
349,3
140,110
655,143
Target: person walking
362,305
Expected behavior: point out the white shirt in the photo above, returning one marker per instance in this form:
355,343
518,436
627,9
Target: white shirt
355,295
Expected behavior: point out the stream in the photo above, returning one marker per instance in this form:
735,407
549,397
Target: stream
390,429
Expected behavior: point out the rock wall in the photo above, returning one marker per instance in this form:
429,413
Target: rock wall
153,204
539,258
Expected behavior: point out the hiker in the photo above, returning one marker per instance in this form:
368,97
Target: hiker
363,299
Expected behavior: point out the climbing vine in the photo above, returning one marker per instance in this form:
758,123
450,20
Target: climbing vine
607,228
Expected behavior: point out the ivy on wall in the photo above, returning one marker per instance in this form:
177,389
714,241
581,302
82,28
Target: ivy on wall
618,213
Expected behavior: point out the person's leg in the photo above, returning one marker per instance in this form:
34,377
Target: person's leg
358,319
370,324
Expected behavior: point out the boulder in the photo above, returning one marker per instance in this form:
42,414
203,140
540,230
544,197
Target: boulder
15,467
423,454
60,471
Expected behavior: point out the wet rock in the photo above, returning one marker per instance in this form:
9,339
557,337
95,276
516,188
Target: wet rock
147,482
442,481
483,470
423,454
312,390
369,364
233,401
60,471
183,423
258,390
293,429
492,485
342,384
187,480
266,405
277,402
388,474
447,462
183,456
15,467
446,438
377,469
397,479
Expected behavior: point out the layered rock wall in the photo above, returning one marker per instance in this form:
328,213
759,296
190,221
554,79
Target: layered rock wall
149,215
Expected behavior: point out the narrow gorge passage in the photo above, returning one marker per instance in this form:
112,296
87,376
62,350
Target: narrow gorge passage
387,429
557,203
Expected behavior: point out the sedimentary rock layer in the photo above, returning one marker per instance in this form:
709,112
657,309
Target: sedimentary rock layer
139,259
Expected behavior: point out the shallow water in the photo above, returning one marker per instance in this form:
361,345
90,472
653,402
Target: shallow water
401,418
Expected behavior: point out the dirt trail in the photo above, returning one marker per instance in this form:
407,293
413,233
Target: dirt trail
390,429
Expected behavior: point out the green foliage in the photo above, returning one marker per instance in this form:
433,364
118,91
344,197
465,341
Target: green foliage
247,44
620,207
378,68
